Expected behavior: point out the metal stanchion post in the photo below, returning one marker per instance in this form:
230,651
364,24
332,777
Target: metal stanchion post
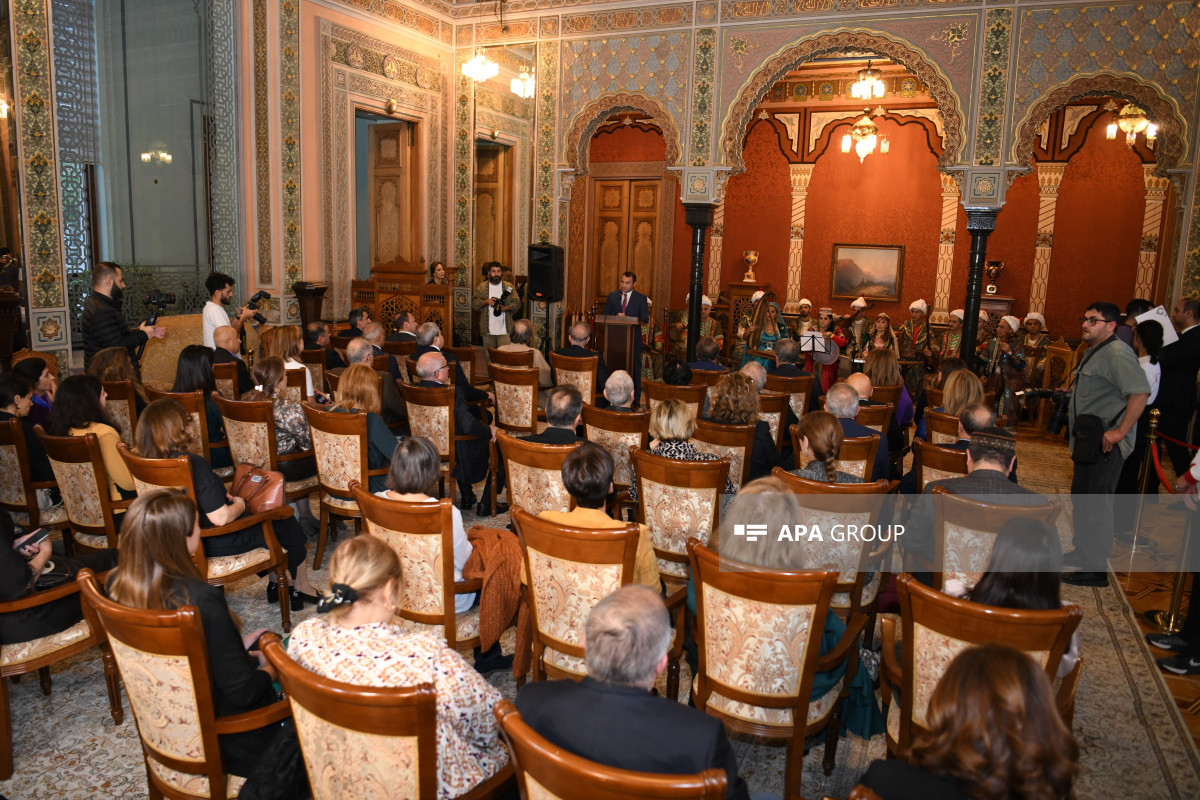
1147,471
1171,621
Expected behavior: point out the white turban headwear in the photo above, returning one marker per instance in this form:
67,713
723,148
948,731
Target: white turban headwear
919,305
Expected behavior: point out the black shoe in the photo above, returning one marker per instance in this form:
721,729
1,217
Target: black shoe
1075,558
492,663
1097,579
483,511
1181,664
466,500
1167,641
272,593
299,599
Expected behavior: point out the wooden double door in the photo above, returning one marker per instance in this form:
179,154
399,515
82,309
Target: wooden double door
625,231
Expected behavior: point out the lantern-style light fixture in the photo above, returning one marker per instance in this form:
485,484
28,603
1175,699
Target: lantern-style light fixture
869,85
1132,120
523,86
864,135
480,68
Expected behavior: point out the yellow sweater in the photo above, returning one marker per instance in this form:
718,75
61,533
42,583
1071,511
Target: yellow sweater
645,564
114,465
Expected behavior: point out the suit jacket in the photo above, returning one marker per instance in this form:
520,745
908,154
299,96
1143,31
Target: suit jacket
630,729
460,379
393,364
1180,362
470,457
401,336
332,359
223,356
638,306
575,351
883,461
352,332
707,366
554,436
987,484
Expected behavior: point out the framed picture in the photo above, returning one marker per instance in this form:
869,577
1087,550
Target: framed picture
867,270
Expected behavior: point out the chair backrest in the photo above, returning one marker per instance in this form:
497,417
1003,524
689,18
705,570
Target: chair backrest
250,429
400,349
933,463
510,358
193,405
578,372
49,358
966,530
887,394
121,405
380,363
779,616
570,570
158,473
516,390
314,362
332,377
16,493
431,414
937,627
422,534
772,409
877,418
466,359
735,442
942,428
1058,363
340,446
534,474
933,397
657,391
226,378
799,390
707,377
546,771
679,500
83,483
163,660
296,390
353,737
857,456
616,432
451,374
340,342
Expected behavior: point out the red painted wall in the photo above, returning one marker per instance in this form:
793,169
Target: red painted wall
1011,242
628,143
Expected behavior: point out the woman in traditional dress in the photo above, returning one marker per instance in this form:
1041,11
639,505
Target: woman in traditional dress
1035,341
879,335
1001,364
827,373
916,346
652,346
770,328
949,345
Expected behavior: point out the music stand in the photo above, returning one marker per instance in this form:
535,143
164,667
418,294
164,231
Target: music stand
824,351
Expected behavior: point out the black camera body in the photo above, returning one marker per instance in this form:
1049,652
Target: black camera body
253,302
157,302
496,309
1059,398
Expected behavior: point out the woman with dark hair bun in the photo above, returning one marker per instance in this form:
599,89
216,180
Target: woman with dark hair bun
44,388
194,372
16,401
78,411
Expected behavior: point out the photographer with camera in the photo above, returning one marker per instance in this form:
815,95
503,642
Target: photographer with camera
496,301
1109,390
102,321
220,294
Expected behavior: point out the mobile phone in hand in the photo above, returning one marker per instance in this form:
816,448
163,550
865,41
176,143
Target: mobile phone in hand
40,535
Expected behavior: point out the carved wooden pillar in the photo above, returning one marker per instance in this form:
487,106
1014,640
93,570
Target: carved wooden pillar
714,251
1049,177
945,263
1156,195
801,174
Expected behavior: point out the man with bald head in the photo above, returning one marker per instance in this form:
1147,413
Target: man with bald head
842,401
430,340
862,385
227,350
579,335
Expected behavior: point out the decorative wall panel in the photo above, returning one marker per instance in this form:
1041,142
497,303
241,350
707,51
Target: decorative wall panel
404,15
262,142
940,313
700,151
801,175
628,19
547,113
1190,285
997,50
716,250
1050,176
1156,195
464,154
221,96
289,131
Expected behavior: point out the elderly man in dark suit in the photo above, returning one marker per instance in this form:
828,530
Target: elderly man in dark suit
430,340
393,411
564,413
618,391
787,353
707,350
842,401
228,351
627,635
373,333
579,335
629,302
1180,362
316,337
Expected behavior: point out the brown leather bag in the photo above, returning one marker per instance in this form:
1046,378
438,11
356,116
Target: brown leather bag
262,489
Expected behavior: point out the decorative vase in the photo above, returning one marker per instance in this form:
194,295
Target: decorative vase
751,258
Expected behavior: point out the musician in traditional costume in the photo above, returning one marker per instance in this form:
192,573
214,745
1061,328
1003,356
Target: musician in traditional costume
827,374
1001,364
855,326
741,327
915,345
709,326
805,322
949,344
652,346
767,327
1035,341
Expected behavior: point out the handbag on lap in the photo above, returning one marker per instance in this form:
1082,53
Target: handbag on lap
262,489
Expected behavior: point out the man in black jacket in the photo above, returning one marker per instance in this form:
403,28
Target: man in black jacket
358,319
627,635
228,351
842,401
102,322
430,340
1176,399
564,413
373,333
393,410
579,335
316,337
406,328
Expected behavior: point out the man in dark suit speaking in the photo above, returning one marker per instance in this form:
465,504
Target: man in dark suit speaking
629,302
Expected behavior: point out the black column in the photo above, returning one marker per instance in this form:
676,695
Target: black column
980,223
700,217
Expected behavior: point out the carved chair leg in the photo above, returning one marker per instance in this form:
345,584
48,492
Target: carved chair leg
833,732
322,533
113,684
44,680
285,600
793,769
6,740
68,542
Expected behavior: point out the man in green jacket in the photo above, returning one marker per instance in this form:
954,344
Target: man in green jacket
497,302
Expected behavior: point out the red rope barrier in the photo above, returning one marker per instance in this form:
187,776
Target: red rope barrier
1162,476
1163,436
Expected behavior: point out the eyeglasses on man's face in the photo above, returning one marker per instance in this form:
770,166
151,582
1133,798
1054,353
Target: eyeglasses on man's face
1092,320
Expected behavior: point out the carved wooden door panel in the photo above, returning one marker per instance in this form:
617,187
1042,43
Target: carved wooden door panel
493,205
392,241
624,233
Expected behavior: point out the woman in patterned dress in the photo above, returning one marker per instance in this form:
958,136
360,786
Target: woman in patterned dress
916,345
671,427
1002,367
292,434
354,640
878,336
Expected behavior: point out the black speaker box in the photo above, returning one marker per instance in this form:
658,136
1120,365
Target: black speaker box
545,272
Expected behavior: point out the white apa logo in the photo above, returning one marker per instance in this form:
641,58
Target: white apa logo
752,532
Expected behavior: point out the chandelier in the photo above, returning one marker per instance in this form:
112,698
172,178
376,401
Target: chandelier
1133,121
869,85
480,68
864,135
523,86
158,155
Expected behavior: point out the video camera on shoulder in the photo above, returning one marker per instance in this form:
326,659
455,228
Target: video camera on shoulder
157,302
253,302
1059,398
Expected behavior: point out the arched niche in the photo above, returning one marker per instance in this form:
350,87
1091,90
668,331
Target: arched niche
591,116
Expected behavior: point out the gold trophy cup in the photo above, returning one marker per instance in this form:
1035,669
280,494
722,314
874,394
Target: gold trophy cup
751,258
992,270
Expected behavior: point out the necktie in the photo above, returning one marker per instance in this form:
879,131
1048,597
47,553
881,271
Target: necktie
624,302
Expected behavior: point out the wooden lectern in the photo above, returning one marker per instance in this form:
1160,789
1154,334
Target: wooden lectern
615,340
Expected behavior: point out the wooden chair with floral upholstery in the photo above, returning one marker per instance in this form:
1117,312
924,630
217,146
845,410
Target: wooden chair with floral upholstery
509,358
18,493
887,394
546,771
657,391
296,390
121,405
617,432
38,654
579,372
250,428
942,428
857,456
516,390
933,463
401,350
331,379
193,405
707,377
734,442
163,663
797,389
226,378
933,398
82,481
50,359
314,362
174,473
422,534
759,683
466,358
965,531
937,627
340,446
877,418
431,414
568,571
772,409
534,473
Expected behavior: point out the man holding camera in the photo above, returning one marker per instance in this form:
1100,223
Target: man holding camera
496,301
102,321
220,294
1108,395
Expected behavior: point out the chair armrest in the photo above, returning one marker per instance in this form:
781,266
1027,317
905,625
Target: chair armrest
889,670
252,720
380,471
44,596
849,639
676,600
283,512
42,485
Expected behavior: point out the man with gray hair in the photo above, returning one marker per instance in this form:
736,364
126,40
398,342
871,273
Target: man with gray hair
627,636
522,335
564,413
430,340
394,412
618,391
707,351
579,334
373,333
842,401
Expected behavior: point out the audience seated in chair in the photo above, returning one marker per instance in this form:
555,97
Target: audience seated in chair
292,434
842,401
45,387
971,419
228,351
883,369
114,364
194,373
286,344
959,389
993,732
610,717
564,414
707,351
618,391
392,408
354,640
784,422
521,336
677,373
821,441
430,340
735,402
578,336
316,337
671,427
358,390
373,334
79,410
16,401
406,328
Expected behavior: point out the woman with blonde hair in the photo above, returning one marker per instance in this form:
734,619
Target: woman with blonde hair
962,389
359,389
821,440
114,364
672,424
356,639
734,401
286,345
165,430
883,368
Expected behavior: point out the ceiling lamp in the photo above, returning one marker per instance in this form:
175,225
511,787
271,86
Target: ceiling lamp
523,86
480,68
869,84
1133,121
864,135
156,156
